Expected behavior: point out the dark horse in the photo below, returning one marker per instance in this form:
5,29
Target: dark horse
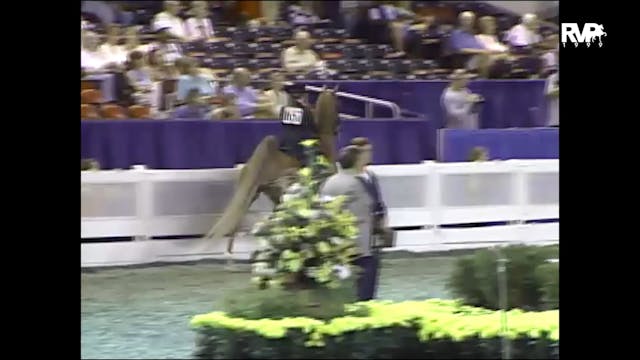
267,166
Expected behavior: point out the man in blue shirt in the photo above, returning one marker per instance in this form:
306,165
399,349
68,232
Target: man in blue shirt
194,109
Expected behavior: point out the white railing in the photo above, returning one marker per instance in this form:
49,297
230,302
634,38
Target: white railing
369,102
151,203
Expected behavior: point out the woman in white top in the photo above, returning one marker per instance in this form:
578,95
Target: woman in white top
199,25
91,59
488,37
132,41
111,50
169,19
276,96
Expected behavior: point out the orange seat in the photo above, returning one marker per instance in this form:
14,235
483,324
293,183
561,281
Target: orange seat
87,85
91,96
112,111
139,112
88,112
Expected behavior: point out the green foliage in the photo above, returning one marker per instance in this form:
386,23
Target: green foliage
414,329
308,241
278,303
531,282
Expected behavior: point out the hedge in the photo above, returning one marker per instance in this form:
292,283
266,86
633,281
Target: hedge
413,329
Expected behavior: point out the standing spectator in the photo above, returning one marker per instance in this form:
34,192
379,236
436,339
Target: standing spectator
359,202
198,26
192,79
111,50
168,49
300,57
169,19
277,96
550,57
525,33
139,78
194,108
552,90
91,59
464,42
459,103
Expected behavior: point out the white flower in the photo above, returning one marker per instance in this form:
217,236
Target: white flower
336,240
343,272
326,198
287,197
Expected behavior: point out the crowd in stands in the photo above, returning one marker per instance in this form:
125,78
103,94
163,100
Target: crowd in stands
187,60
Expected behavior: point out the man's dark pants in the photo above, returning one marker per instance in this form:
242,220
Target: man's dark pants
368,280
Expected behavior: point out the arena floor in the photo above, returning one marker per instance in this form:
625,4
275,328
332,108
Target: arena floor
144,313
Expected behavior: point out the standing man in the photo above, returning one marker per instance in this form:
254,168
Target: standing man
459,104
552,90
359,202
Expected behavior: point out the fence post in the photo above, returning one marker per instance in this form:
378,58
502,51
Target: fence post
434,198
144,202
520,198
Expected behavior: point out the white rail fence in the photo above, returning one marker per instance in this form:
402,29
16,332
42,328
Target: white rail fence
152,203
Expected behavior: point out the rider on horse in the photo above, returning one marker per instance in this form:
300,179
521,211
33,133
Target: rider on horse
298,123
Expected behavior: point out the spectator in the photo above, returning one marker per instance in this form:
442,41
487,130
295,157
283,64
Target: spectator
277,96
100,9
488,38
159,69
245,96
168,49
91,59
296,15
552,90
479,154
387,25
550,57
139,78
300,57
169,19
459,103
464,42
194,108
132,41
199,25
525,33
111,50
359,202
416,32
192,79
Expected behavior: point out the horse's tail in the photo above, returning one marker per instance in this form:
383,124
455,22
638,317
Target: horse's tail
246,190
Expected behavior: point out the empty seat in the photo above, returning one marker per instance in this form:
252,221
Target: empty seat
91,96
88,112
139,112
112,111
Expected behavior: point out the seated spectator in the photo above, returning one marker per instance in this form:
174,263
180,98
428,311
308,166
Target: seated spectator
300,57
525,33
246,98
459,103
193,79
139,78
167,47
132,41
277,96
194,107
387,24
416,32
297,15
91,58
488,38
169,20
160,70
464,42
198,26
111,50
552,90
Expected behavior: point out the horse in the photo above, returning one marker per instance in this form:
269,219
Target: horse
267,169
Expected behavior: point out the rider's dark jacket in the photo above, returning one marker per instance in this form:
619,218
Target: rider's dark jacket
297,125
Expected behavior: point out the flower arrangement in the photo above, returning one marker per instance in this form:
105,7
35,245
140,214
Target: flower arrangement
308,241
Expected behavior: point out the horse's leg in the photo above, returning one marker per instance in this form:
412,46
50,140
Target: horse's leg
229,253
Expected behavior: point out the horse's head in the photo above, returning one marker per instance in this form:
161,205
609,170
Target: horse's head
327,120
